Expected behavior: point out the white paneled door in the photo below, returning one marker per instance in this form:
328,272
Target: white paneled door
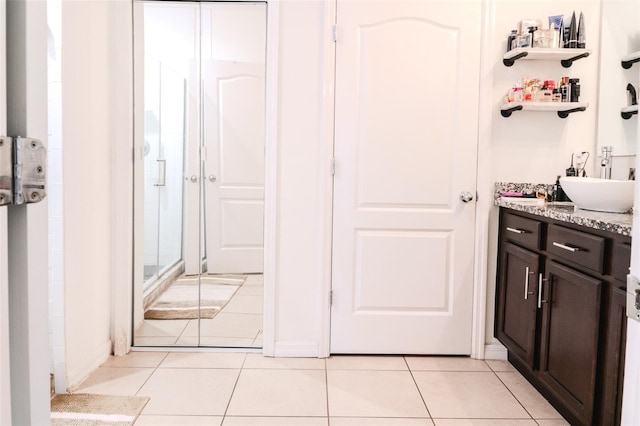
233,69
407,76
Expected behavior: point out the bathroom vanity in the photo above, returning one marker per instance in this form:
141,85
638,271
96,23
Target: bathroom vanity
560,304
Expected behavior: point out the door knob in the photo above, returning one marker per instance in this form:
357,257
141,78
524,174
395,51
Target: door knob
466,196
212,178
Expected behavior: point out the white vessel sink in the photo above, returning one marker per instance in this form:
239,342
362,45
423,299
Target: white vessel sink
603,195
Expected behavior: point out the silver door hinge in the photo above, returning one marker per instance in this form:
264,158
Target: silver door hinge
332,167
335,33
330,297
23,163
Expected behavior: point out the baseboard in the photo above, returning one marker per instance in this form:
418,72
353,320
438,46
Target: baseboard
495,351
296,349
75,376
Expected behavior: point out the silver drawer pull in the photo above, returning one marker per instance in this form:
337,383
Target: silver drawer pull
516,231
565,247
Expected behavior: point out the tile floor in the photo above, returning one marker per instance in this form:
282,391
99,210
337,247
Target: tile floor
238,389
239,323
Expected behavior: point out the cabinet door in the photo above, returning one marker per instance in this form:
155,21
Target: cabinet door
516,310
614,357
570,336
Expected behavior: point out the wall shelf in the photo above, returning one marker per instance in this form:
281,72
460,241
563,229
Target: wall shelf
562,108
629,111
565,56
630,59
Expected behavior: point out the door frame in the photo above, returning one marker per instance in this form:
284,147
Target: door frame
123,174
482,206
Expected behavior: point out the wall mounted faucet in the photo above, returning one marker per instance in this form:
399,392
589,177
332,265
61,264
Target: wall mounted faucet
605,163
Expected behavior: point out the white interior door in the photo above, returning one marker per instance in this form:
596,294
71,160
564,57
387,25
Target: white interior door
233,72
5,389
405,149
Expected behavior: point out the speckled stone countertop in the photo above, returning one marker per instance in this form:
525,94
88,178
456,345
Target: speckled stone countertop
619,223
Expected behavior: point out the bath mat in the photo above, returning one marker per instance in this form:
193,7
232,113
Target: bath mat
89,409
180,300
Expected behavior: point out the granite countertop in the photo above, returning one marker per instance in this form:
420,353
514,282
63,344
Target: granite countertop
619,223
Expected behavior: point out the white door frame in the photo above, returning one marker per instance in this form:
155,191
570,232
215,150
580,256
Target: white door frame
122,173
28,224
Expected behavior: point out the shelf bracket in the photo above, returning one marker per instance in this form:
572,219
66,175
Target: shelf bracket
566,63
627,64
507,112
565,114
628,115
509,62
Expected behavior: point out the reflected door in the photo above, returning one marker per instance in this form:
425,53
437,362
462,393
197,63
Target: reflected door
199,87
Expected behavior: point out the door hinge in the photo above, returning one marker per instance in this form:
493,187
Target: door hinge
330,297
332,167
335,33
23,163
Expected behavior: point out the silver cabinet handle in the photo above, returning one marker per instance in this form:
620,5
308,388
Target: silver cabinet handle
568,248
526,283
516,230
466,196
540,301
162,173
212,178
193,178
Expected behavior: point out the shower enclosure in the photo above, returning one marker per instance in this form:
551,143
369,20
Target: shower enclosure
199,78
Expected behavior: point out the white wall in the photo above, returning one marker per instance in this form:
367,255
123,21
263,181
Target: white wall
534,146
87,138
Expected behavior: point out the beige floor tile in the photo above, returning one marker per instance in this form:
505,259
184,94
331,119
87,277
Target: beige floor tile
226,325
445,363
500,365
553,423
275,421
147,420
228,342
484,422
115,380
250,290
531,400
176,391
371,421
279,393
350,362
136,359
259,361
160,328
203,360
257,343
141,341
243,304
254,280
373,394
471,395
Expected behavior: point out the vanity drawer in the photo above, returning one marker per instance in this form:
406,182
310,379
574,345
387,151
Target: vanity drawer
579,247
522,231
621,260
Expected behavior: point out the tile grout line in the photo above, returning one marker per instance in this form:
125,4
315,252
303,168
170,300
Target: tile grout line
404,358
151,375
326,390
512,394
235,385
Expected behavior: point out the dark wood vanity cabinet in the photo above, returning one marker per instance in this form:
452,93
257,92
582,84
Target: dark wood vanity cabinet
560,312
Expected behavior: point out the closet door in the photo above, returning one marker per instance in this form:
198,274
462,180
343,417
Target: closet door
199,72
407,76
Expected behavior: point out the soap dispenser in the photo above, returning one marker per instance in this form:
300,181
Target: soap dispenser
559,193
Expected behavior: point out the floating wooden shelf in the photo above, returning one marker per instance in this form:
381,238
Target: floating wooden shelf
562,108
565,56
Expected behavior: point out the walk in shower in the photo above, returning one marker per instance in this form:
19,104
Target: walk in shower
199,83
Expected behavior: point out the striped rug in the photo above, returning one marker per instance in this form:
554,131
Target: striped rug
82,409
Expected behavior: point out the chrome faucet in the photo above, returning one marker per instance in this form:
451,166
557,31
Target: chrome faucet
605,164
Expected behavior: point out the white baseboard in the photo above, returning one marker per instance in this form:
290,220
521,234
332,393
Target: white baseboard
78,374
296,349
495,351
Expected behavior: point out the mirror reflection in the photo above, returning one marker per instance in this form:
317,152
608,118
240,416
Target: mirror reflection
199,175
619,37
